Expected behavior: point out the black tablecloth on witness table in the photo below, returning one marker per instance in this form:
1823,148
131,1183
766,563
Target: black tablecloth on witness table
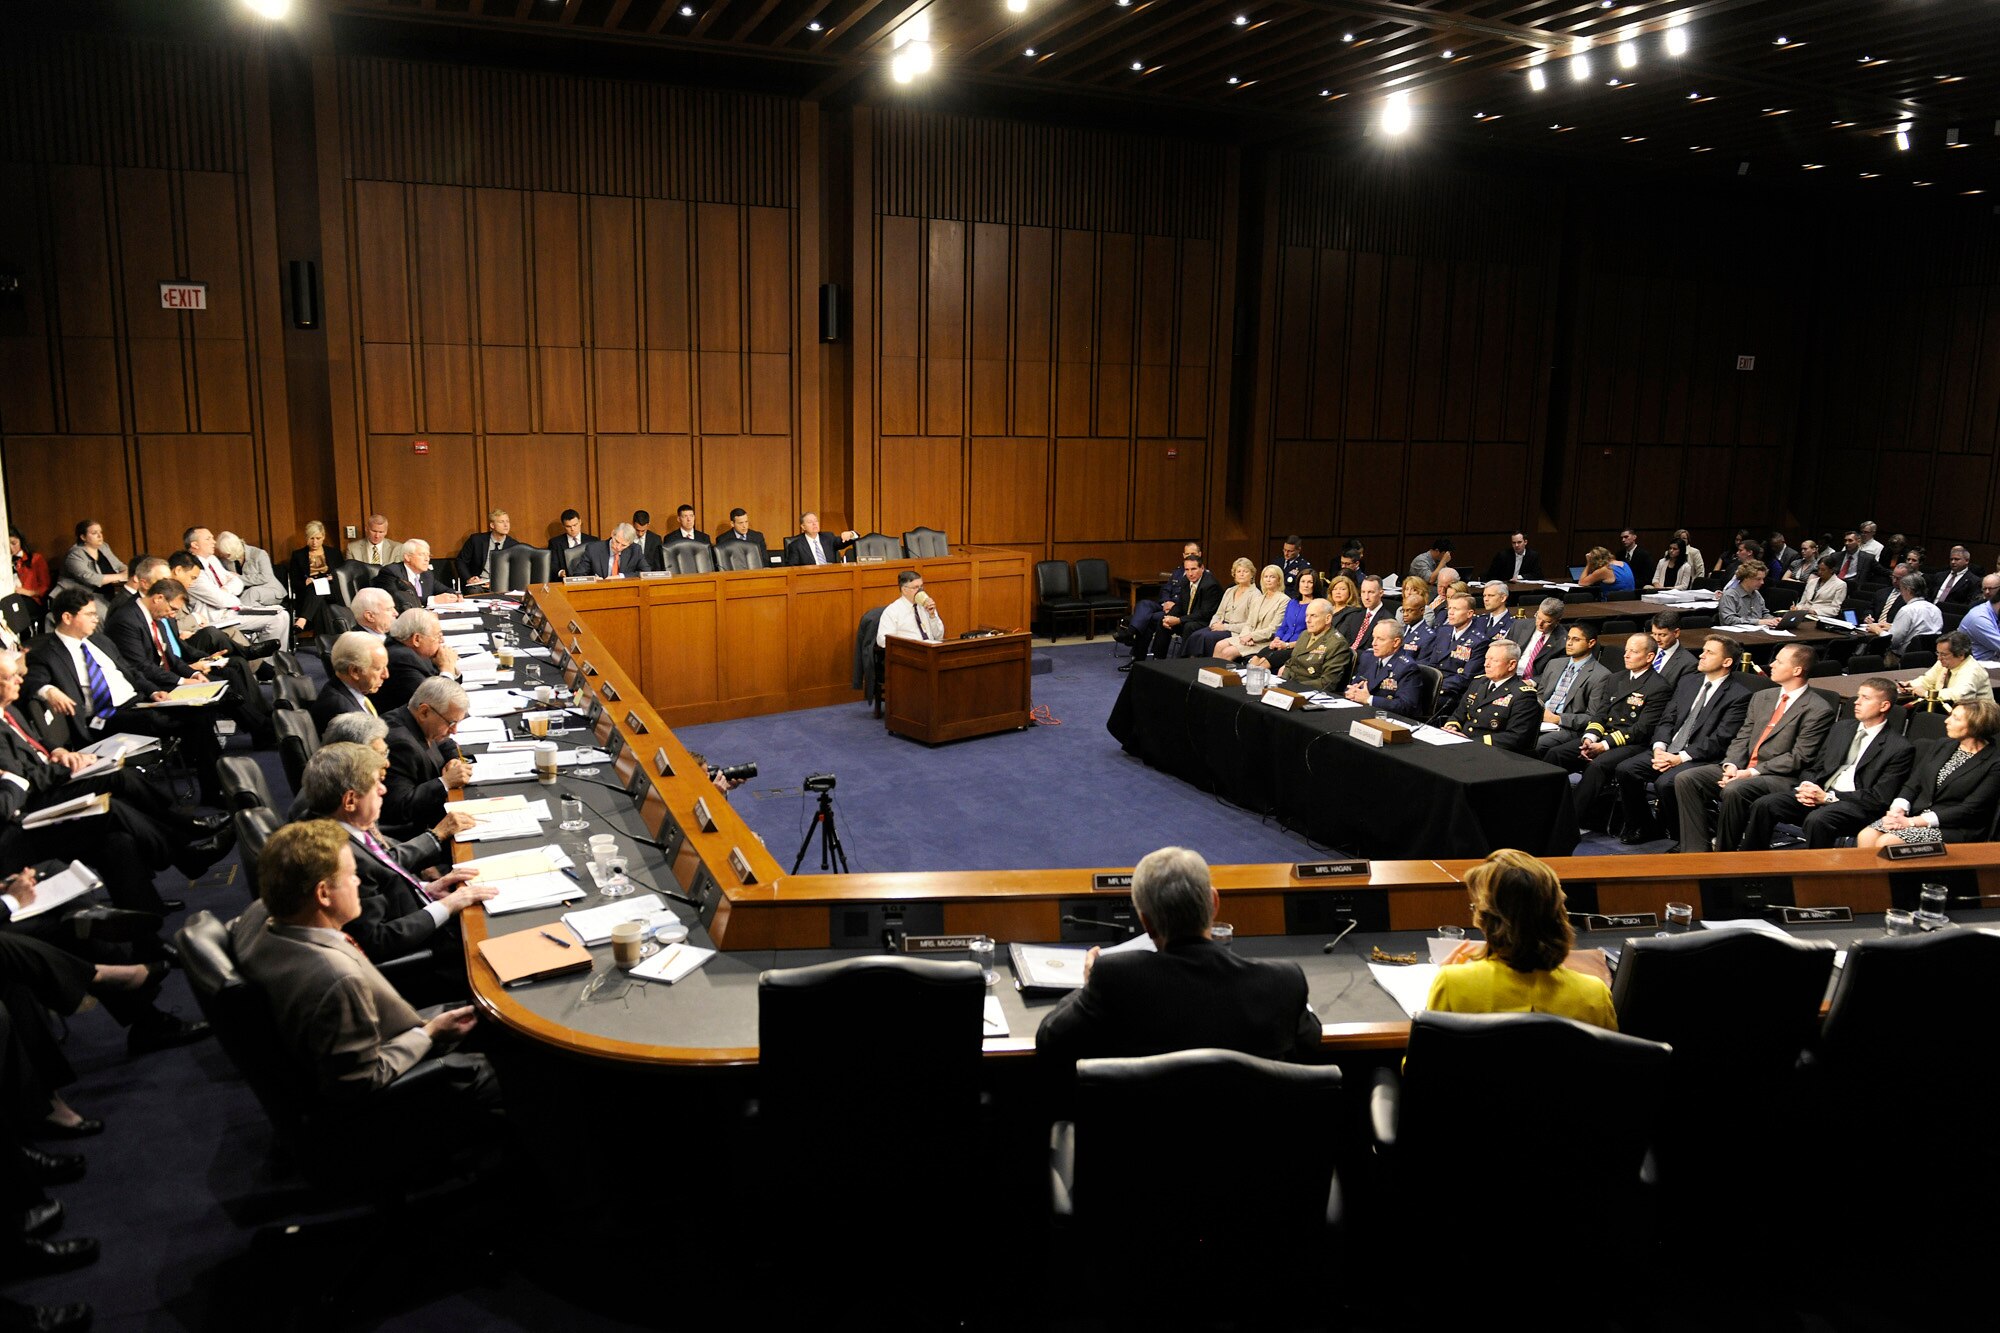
1394,802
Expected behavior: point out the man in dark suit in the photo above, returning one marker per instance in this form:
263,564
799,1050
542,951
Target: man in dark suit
360,668
739,530
1373,613
141,628
1856,565
571,538
416,653
1516,562
84,680
1540,639
1782,732
619,557
476,557
1669,658
1636,556
1704,716
684,528
336,1014
401,910
1958,585
411,581
1187,992
811,548
1777,554
1148,612
1859,770
1386,676
649,541
1631,704
421,776
1500,709
1204,595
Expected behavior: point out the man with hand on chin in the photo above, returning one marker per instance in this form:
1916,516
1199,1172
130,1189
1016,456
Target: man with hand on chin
913,615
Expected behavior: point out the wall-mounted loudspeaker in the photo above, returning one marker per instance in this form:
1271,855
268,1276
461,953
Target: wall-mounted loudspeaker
304,287
829,312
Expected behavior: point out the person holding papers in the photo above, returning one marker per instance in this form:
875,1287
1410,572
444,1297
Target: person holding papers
913,615
421,775
1187,992
141,628
1518,904
82,678
339,1018
401,909
417,652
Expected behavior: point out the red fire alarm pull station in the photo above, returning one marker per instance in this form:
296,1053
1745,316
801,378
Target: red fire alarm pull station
421,447
1172,454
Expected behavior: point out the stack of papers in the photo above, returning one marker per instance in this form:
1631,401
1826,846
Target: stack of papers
1060,966
481,731
502,766
77,807
593,925
515,865
529,891
498,817
1407,986
74,882
1430,735
498,703
189,696
469,639
122,744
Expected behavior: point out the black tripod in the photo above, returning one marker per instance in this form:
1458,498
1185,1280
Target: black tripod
832,855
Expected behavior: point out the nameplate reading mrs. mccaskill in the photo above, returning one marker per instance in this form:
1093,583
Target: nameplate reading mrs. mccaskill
1811,916
1330,870
937,943
1123,881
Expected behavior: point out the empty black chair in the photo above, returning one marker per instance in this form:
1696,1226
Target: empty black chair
689,557
1925,725
1697,619
925,544
350,577
1611,653
253,828
293,691
23,615
243,783
1055,596
1865,664
1825,668
1093,589
1738,1008
912,1088
298,739
521,568
1576,596
1278,1191
1546,1090
1918,659
877,546
1615,626
285,662
739,555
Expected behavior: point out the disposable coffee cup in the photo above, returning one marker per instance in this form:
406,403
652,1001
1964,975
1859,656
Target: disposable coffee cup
628,943
545,763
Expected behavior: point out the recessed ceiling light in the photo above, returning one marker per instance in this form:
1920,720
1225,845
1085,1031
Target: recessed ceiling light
813,26
1347,37
1447,54
1843,124
1138,64
1538,79
1698,148
1242,19
1628,55
1633,138
1124,4
687,11
1232,78
1611,83
1870,175
1326,92
1781,41
1030,51
1920,184
1677,41
1972,192
1814,166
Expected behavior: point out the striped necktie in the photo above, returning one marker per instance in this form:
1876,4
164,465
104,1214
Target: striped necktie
100,690
381,854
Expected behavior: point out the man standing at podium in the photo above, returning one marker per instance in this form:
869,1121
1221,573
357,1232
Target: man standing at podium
913,615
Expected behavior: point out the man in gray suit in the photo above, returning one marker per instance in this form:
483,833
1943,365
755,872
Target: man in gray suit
341,1018
1781,735
1540,638
1572,688
374,547
253,566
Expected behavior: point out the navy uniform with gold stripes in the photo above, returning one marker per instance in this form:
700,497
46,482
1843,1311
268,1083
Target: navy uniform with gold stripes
1504,713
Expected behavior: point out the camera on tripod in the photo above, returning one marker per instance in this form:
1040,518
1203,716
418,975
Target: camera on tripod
820,781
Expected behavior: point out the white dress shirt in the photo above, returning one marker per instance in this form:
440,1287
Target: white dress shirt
900,621
1842,782
122,691
1918,620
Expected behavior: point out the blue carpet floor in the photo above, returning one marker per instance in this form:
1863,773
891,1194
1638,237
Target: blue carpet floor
1053,795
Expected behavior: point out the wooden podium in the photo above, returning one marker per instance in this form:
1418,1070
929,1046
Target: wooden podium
936,692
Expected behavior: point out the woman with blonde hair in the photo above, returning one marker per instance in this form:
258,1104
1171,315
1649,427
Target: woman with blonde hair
1609,575
1518,904
312,581
1239,602
1345,598
1264,620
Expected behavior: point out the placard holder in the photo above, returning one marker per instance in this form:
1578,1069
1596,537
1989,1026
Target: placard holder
1909,851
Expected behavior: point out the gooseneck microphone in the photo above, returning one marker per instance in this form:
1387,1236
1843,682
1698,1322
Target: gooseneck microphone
1345,931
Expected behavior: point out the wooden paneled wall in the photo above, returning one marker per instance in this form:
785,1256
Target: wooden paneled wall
1043,333
572,293
123,163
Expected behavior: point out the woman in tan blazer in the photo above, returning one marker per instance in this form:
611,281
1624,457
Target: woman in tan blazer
1265,617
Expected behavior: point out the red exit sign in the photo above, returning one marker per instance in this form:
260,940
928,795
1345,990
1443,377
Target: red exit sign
420,447
184,296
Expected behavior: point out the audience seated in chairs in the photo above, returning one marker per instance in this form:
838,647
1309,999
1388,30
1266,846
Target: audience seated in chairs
1241,605
1955,677
1860,768
1954,785
311,567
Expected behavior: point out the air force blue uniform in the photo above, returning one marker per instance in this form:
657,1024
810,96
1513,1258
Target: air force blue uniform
1393,682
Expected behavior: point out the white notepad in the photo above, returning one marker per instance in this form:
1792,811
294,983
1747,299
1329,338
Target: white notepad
673,962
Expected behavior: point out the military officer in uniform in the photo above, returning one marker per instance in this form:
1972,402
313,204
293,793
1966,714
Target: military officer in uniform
1321,660
1293,562
1386,676
1457,649
1500,709
1634,704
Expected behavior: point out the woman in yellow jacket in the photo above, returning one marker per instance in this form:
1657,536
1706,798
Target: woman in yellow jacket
1518,903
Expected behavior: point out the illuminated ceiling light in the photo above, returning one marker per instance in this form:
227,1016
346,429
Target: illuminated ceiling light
1611,83
1632,138
1138,64
1814,166
1579,67
270,9
1628,55
687,11
1949,78
1843,124
1972,192
1326,92
1396,113
1677,41
814,26
1870,175
1920,184
1233,79
1699,148
912,46
1124,4
1903,136
1446,55
1347,37
1538,78
1241,19
1017,6
1781,41
899,67
1029,52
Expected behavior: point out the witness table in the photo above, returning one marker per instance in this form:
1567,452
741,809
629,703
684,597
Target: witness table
1401,801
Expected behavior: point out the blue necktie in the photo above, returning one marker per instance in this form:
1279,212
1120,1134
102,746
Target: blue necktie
173,640
1561,696
100,692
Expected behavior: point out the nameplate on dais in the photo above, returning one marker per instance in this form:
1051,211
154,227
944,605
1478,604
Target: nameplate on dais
1119,882
1813,916
1352,869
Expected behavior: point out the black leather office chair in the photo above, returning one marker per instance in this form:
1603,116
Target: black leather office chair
1427,696
298,739
1488,1102
1055,596
23,615
573,558
293,691
689,557
1093,589
243,783
253,827
877,546
877,1137
1865,664
514,570
350,577
925,544
1926,725
868,658
738,555
1277,1191
1697,620
1573,597
1738,1009
284,662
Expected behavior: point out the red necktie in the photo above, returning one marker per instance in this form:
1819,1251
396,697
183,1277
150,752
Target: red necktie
1769,727
1528,658
22,732
159,644
1847,568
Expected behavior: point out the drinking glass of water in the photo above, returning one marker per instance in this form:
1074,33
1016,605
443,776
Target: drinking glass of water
572,816
981,949
1931,902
